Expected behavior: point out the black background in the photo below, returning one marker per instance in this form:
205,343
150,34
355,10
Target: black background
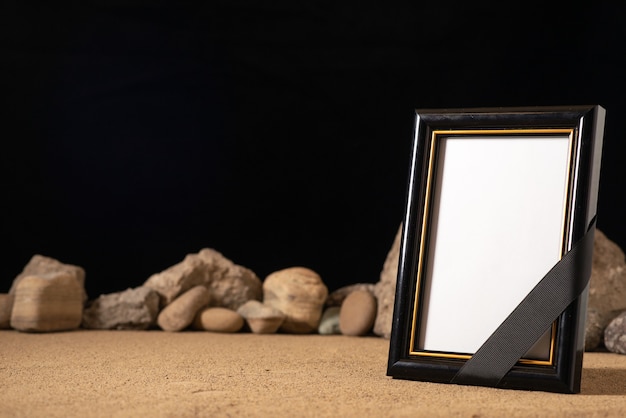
278,133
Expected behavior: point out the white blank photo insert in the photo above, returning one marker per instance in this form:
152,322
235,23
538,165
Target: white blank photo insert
496,228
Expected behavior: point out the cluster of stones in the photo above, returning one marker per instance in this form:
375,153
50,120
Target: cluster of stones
207,291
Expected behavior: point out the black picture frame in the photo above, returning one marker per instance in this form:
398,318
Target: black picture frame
460,159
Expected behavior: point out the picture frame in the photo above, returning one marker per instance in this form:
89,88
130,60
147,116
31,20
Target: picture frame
500,206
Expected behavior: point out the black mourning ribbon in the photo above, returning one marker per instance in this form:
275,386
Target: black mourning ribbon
532,317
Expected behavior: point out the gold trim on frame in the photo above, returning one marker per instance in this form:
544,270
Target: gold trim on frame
565,231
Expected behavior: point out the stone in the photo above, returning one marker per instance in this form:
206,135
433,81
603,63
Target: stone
179,314
299,293
594,330
385,289
607,287
218,320
264,325
40,265
336,297
357,314
6,303
47,302
261,318
230,285
131,309
329,324
615,334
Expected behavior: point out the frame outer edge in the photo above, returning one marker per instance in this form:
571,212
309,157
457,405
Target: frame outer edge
596,160
398,339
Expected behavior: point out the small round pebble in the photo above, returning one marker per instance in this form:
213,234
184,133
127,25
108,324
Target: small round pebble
615,335
357,314
218,319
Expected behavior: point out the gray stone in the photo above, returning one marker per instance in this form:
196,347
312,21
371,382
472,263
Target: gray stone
594,330
179,314
329,324
385,289
131,309
229,285
615,334
607,287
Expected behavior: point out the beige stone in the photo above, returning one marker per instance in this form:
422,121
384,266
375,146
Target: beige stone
337,297
47,302
299,293
179,314
385,289
265,325
218,320
229,284
130,309
607,287
261,318
40,265
6,303
357,314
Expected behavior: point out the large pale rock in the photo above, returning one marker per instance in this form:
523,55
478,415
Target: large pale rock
47,302
6,303
261,318
607,288
47,295
385,289
179,314
300,294
131,309
229,284
40,265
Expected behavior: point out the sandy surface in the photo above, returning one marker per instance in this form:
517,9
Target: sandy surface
159,374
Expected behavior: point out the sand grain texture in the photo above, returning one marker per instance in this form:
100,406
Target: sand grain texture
188,374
